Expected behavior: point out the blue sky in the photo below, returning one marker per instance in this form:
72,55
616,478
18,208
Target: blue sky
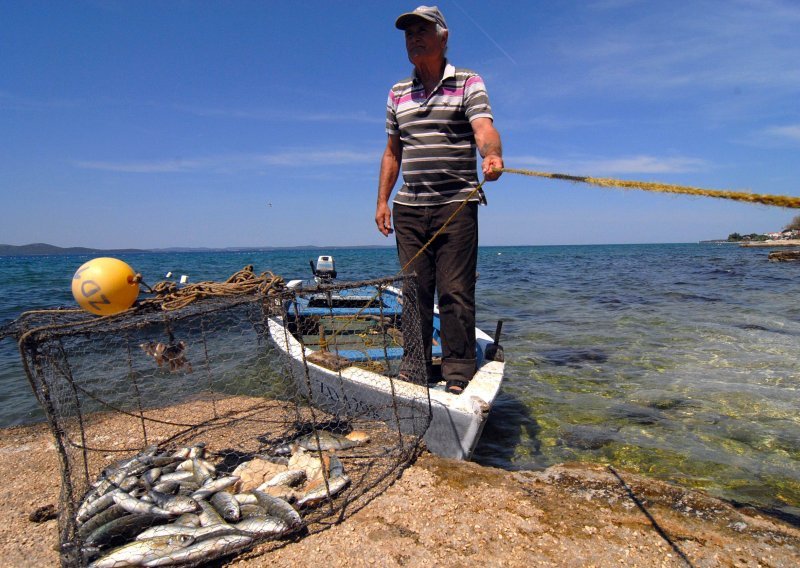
157,124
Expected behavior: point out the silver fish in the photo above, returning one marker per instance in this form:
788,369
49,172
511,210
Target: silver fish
90,508
261,526
209,516
323,493
201,471
176,476
139,552
133,505
121,530
205,550
175,504
188,520
327,441
100,519
211,486
276,507
289,478
245,498
226,505
198,533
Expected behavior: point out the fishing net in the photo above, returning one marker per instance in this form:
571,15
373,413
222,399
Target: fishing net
214,421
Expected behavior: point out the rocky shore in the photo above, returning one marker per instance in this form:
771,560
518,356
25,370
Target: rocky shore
446,513
771,244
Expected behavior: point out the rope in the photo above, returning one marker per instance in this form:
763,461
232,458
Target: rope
170,297
461,206
764,199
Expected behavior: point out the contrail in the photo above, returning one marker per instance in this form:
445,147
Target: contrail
484,32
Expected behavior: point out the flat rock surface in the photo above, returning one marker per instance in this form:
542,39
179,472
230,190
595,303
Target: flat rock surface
447,513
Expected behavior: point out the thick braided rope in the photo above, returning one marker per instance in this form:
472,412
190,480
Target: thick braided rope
763,199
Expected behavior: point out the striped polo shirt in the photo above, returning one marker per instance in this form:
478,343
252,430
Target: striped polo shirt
439,162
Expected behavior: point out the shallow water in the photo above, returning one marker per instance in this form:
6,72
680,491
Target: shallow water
677,361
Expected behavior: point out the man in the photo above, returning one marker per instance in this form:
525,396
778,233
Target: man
436,120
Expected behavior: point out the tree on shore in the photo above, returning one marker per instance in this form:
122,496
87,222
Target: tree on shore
794,225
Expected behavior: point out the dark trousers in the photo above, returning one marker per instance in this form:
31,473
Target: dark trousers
447,266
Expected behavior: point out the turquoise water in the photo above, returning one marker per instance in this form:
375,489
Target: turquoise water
677,361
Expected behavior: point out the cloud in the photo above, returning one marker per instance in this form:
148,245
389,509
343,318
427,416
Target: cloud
615,166
11,101
660,50
281,115
235,162
792,132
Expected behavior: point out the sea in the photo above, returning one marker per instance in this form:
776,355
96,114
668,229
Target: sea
677,361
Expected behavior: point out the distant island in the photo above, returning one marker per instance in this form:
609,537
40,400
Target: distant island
43,249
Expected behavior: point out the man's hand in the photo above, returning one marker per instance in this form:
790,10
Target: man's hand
488,141
491,165
383,218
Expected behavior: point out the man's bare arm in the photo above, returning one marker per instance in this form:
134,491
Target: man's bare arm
390,170
490,147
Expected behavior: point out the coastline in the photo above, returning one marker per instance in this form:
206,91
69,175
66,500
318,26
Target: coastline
448,513
768,244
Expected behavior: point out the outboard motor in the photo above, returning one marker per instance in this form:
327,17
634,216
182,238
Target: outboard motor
494,351
325,269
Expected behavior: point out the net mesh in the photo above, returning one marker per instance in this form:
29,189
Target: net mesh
229,423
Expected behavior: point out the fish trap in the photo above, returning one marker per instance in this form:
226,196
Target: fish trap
230,423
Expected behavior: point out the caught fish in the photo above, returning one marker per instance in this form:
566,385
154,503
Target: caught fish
133,505
175,504
100,519
121,530
262,526
327,441
139,552
322,493
209,516
212,486
279,508
226,505
337,481
198,533
290,478
204,550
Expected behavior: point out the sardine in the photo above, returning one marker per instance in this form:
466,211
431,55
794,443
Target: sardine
139,552
90,508
121,530
327,441
212,486
133,505
262,526
226,505
209,516
279,508
198,533
323,493
100,519
176,476
289,478
175,504
188,520
205,550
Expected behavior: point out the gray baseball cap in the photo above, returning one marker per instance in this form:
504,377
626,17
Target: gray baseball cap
430,13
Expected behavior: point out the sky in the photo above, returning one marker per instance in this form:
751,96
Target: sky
235,123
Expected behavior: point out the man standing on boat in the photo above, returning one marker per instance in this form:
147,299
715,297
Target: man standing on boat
436,120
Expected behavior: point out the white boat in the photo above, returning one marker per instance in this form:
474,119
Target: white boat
337,383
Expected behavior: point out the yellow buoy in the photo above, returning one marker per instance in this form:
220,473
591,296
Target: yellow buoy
105,286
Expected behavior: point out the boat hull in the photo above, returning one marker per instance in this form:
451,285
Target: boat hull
452,424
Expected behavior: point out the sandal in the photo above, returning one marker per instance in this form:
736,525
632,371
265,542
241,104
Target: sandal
455,387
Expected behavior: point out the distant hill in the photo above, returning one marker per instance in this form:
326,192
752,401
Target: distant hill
43,249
